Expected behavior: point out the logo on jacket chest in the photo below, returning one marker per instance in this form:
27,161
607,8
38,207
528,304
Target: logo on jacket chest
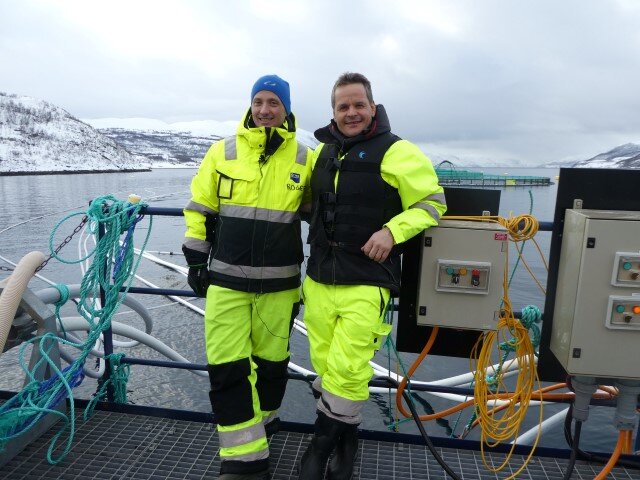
295,178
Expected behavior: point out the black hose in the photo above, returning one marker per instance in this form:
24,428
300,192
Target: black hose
423,432
588,456
574,449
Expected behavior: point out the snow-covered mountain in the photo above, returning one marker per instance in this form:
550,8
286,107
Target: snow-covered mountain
624,156
172,144
36,136
162,144
558,164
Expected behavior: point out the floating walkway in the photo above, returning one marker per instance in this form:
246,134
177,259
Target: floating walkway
449,175
117,446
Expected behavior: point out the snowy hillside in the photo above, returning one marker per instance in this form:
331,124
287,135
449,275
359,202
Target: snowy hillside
163,148
172,144
36,136
624,156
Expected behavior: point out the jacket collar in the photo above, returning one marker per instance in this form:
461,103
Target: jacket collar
268,137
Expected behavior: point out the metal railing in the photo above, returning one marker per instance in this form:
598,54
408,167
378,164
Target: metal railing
108,344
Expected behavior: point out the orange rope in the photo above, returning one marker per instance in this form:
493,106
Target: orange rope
537,395
537,392
606,388
549,397
622,440
414,366
627,450
540,394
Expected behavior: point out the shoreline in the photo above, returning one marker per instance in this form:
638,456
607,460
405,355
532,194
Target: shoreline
70,172
182,167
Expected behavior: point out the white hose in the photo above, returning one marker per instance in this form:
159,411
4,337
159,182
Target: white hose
52,295
79,323
528,437
14,288
172,297
159,261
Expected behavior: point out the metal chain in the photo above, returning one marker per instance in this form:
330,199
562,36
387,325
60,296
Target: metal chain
5,269
64,242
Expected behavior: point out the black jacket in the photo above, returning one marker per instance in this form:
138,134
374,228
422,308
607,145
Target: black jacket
343,218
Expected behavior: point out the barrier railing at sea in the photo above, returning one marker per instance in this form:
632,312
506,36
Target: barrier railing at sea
174,212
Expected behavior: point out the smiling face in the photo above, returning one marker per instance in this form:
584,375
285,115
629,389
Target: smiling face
267,110
353,112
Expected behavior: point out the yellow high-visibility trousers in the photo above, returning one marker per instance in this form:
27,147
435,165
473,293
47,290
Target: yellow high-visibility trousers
345,325
247,342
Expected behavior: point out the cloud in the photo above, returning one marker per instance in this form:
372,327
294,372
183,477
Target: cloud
527,81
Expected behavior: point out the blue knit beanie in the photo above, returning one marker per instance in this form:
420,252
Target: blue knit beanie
275,84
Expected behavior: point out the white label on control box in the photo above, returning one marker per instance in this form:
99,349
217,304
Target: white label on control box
463,276
623,312
626,270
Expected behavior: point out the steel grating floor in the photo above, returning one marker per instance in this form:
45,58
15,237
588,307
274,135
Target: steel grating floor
120,446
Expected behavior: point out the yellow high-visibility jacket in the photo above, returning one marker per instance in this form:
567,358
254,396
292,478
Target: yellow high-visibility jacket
253,184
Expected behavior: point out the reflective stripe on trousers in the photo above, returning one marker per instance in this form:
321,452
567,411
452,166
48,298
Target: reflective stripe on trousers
345,327
247,337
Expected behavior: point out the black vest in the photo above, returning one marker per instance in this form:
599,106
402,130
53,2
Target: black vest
342,221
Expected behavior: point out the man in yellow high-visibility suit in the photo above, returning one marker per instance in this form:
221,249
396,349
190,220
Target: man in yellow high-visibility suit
244,251
372,191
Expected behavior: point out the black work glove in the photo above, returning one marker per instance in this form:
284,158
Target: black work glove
198,277
198,280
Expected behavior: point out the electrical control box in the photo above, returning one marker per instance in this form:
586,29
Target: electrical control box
462,273
596,319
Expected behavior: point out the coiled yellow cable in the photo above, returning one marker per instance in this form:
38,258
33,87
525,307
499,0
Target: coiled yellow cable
499,423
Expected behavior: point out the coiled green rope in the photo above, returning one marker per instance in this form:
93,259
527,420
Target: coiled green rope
118,379
111,270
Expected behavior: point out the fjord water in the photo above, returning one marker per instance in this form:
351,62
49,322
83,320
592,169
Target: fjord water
31,206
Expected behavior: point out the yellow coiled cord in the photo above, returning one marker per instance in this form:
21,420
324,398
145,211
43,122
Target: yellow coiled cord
499,422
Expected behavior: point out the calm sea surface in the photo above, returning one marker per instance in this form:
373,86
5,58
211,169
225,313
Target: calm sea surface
30,207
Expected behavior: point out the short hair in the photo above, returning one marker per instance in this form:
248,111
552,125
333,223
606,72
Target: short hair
349,78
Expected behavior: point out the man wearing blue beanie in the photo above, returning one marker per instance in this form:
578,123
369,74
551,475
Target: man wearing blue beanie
244,250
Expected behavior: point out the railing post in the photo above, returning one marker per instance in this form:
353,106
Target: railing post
107,335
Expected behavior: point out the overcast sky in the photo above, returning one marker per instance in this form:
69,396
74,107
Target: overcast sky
523,81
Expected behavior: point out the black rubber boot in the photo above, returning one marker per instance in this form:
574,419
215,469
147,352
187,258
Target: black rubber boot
325,439
342,462
272,427
245,476
237,470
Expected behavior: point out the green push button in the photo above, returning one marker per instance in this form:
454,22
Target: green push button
620,308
